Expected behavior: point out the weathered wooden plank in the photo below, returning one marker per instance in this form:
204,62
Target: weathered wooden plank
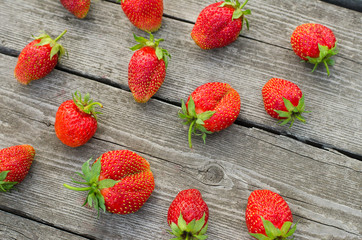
274,21
98,47
19,228
322,187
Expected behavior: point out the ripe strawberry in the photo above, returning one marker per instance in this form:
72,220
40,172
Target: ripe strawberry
210,108
76,120
147,68
144,14
219,24
38,58
314,43
267,214
188,215
15,163
78,8
283,100
119,181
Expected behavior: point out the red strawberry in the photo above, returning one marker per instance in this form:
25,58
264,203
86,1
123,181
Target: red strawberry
144,14
219,24
210,108
314,43
283,100
188,215
76,120
78,8
147,68
119,181
267,214
15,163
38,58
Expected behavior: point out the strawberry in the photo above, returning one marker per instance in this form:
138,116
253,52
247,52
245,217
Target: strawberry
219,24
38,58
210,108
314,43
283,100
147,68
188,215
119,181
76,120
144,14
78,8
268,216
15,163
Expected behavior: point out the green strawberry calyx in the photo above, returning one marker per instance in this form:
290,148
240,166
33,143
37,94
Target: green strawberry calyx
273,232
143,42
192,231
4,185
196,121
91,177
86,104
292,113
56,47
238,12
324,56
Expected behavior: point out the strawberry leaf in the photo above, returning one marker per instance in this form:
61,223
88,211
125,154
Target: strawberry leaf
204,229
260,236
175,229
190,226
285,228
270,230
324,55
205,115
291,231
107,183
3,175
288,105
191,108
181,223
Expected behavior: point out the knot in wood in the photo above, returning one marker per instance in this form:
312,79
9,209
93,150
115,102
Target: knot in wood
213,174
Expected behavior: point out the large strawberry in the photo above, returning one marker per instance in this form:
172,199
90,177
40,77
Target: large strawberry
144,14
283,100
147,68
119,181
210,108
76,120
15,163
78,8
188,215
314,43
219,24
268,216
38,58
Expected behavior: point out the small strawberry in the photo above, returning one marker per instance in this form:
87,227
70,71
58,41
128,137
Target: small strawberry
144,14
78,8
147,68
268,216
38,58
76,120
219,24
210,108
188,215
314,43
15,163
283,100
119,181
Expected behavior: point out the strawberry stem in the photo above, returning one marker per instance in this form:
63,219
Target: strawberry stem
244,4
77,189
325,64
190,132
61,35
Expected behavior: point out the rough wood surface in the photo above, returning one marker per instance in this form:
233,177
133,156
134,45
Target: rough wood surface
322,187
98,49
13,227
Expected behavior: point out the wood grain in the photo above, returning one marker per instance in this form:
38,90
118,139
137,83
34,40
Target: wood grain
322,187
13,227
98,49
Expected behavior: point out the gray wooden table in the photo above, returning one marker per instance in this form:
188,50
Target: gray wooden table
316,166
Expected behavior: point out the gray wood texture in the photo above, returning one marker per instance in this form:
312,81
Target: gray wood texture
321,185
99,49
13,227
